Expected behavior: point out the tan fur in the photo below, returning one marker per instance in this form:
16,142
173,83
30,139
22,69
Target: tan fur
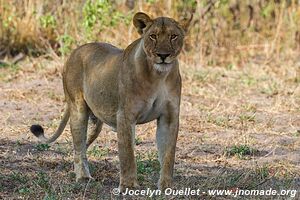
123,88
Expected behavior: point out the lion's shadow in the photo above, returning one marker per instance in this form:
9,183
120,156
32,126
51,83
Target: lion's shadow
23,166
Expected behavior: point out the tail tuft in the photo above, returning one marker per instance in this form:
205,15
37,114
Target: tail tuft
37,130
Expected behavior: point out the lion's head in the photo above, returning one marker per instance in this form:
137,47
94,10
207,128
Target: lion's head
162,39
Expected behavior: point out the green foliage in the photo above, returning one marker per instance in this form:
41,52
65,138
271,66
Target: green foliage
94,11
296,133
50,197
222,3
267,10
101,13
263,172
3,64
42,147
240,151
138,141
247,118
96,151
7,22
48,21
223,22
150,1
270,89
19,177
188,4
223,121
42,181
248,80
233,179
147,164
14,68
66,41
24,191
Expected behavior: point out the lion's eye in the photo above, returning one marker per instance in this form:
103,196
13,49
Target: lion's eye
152,37
174,37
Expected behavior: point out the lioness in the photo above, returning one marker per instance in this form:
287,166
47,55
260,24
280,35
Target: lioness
123,88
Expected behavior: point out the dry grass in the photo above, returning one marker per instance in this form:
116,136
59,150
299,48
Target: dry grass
240,122
222,109
223,33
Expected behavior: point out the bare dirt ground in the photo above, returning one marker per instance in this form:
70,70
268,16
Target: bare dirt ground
239,129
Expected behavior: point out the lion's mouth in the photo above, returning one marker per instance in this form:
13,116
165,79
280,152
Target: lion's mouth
164,62
162,66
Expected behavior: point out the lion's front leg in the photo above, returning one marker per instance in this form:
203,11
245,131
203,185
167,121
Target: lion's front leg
166,138
126,134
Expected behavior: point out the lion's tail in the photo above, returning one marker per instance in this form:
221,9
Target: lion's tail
38,130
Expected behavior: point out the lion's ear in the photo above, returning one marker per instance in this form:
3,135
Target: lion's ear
185,21
141,21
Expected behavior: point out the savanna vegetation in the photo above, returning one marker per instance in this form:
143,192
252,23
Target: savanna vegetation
240,110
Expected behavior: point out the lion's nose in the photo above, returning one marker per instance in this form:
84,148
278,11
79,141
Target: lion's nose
163,56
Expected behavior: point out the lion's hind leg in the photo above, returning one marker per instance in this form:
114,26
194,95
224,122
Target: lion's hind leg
95,130
78,123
